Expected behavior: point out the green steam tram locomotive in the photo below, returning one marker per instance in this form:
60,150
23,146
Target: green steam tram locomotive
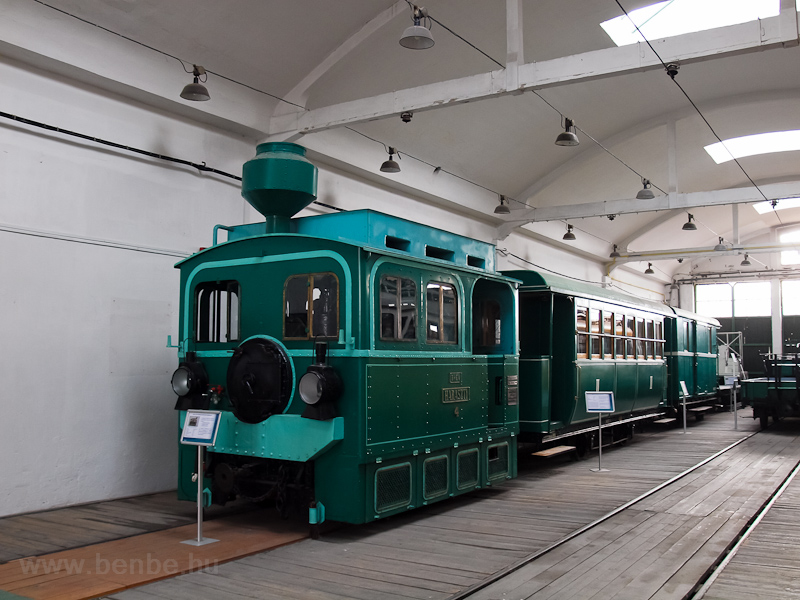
363,364
577,337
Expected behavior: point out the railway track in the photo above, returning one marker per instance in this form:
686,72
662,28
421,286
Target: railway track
702,584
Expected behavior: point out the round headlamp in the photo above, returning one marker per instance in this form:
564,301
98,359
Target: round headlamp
311,387
183,381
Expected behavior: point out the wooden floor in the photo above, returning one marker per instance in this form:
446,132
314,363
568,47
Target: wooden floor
117,565
767,565
437,551
65,528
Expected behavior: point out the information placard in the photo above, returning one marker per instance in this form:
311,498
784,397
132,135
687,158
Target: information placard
200,427
599,402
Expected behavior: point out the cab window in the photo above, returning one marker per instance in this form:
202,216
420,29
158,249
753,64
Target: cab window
442,312
217,312
311,306
398,309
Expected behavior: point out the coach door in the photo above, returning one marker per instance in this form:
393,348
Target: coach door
494,336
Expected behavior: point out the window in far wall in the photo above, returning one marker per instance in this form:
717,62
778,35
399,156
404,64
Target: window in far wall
790,301
714,300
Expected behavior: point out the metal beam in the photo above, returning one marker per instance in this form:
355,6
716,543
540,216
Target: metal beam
695,253
609,62
669,202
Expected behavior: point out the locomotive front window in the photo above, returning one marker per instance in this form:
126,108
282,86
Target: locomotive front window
311,306
442,313
398,309
217,312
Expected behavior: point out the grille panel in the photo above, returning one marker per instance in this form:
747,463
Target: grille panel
435,477
392,487
467,469
498,460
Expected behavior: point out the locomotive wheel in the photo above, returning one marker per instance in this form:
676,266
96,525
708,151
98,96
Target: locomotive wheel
764,418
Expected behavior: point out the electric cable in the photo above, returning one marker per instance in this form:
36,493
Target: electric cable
180,60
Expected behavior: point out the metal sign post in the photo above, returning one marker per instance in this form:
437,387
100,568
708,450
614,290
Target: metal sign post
600,402
733,382
200,429
685,395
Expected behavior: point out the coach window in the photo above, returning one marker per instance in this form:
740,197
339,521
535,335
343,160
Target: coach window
398,309
608,334
442,313
650,344
630,332
594,316
619,331
311,306
582,326
659,339
217,311
640,338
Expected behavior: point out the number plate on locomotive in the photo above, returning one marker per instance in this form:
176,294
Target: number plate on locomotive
459,394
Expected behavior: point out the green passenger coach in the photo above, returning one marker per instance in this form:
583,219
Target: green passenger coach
576,337
363,364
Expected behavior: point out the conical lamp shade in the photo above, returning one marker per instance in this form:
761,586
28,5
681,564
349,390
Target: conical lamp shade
417,37
195,91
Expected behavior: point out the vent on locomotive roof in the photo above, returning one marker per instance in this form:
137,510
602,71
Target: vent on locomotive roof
440,253
279,182
396,243
474,261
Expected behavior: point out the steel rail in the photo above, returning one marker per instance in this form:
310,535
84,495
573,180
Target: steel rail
539,553
731,552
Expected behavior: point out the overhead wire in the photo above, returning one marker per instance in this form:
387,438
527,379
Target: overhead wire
692,102
501,65
180,60
200,166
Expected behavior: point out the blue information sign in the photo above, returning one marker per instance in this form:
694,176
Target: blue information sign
200,427
599,402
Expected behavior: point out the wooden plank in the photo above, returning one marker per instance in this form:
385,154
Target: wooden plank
554,451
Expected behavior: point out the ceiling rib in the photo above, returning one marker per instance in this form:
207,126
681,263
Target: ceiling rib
608,62
681,201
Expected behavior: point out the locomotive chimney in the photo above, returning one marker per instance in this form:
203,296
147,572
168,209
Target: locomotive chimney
279,182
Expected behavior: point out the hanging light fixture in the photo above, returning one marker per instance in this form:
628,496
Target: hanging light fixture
568,137
649,270
689,225
196,91
746,262
720,247
390,166
645,193
418,37
502,208
614,253
569,236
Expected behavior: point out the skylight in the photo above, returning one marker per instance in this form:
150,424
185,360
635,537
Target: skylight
676,17
750,145
765,207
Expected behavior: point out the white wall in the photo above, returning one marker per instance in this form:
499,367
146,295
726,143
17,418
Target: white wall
88,239
86,409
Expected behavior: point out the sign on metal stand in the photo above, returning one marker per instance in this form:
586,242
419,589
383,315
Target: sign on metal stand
600,402
734,383
200,429
685,393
